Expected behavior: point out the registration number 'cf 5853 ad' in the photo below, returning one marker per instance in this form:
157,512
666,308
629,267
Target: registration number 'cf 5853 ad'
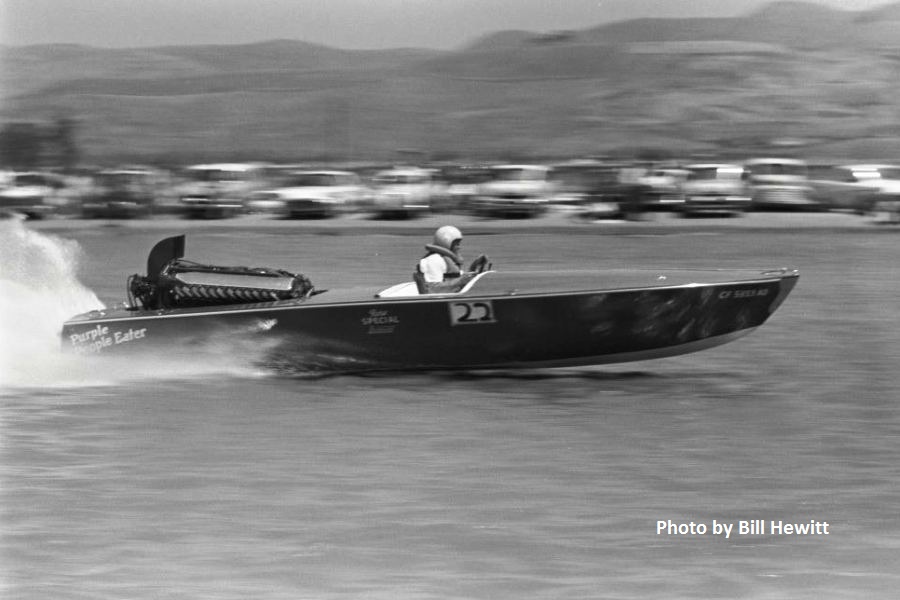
471,313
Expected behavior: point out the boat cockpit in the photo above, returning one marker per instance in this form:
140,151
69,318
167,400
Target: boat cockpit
411,289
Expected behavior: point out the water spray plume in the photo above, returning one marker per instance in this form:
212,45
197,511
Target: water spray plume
38,292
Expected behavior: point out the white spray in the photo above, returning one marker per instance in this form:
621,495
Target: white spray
39,291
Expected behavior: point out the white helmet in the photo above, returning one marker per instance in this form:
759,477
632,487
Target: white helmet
446,235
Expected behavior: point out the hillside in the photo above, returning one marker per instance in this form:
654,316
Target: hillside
822,77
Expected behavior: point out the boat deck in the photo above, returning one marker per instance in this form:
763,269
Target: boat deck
504,283
493,284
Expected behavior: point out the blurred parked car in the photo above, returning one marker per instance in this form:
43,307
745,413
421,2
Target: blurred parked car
846,187
663,188
884,180
34,194
121,194
588,188
215,191
460,186
312,194
403,192
779,184
715,188
514,190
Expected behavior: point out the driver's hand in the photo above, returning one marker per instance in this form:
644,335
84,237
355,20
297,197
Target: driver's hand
480,264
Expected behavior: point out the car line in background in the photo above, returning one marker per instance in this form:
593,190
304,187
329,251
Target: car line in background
123,193
514,190
779,184
403,192
218,190
715,188
33,194
663,188
312,194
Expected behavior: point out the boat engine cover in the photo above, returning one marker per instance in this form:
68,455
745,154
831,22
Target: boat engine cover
183,283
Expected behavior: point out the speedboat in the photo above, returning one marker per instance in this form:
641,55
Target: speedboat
499,319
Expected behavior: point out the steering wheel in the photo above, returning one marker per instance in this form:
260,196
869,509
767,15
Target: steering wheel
480,264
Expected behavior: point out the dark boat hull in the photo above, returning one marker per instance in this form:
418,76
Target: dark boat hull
506,320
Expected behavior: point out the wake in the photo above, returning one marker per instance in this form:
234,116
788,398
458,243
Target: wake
39,291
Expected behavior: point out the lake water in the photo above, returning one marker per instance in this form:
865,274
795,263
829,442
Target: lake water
214,479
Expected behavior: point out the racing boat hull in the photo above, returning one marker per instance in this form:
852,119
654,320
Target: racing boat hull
501,320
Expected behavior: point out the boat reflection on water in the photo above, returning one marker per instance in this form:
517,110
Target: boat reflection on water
500,319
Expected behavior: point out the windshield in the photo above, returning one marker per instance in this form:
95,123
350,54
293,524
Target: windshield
314,180
399,178
713,173
31,179
217,175
121,178
583,178
466,175
792,169
519,174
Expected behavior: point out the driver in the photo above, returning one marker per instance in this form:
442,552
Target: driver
440,271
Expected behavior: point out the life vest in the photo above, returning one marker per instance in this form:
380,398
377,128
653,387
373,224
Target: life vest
453,260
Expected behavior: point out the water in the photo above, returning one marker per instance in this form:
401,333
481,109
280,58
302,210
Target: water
216,480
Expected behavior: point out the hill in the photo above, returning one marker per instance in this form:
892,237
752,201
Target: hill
793,70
